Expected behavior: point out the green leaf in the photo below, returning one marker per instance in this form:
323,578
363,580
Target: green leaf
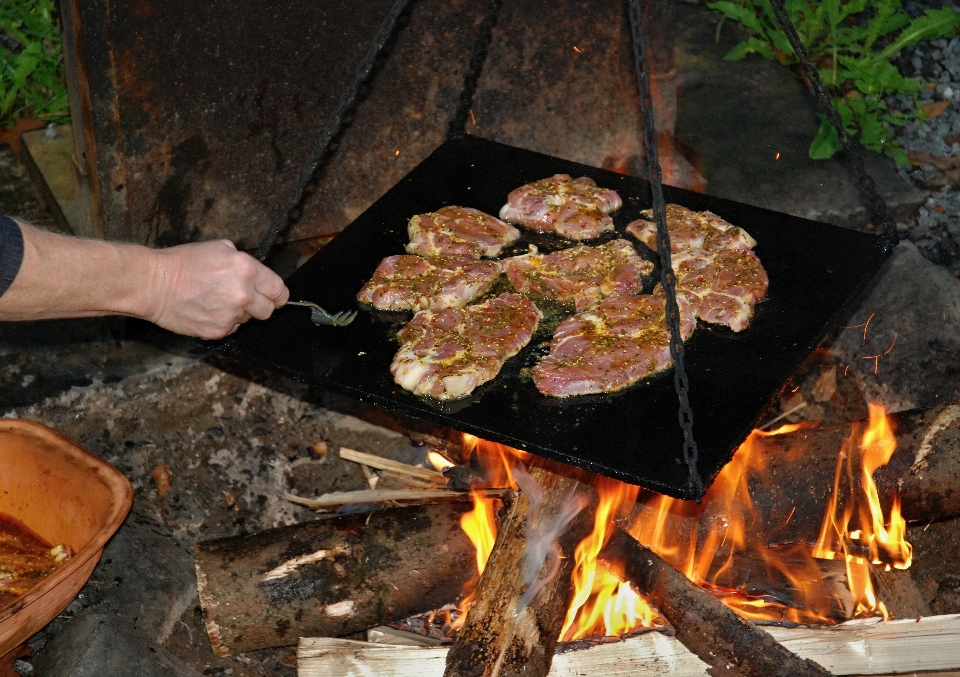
750,46
737,12
898,155
871,131
827,143
885,9
935,23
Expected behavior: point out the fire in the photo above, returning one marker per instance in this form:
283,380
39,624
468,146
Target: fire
496,460
715,542
602,603
873,542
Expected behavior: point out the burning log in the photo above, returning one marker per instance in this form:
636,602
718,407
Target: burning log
731,645
331,577
791,485
513,625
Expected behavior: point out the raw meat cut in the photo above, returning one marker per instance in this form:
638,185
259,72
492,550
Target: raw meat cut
605,349
727,284
714,264
446,354
459,231
581,275
691,231
407,282
574,208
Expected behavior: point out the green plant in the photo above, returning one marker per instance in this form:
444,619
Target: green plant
851,42
31,62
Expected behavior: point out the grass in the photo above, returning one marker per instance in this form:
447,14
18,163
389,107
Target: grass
32,82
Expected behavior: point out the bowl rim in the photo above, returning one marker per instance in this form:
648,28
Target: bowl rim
120,489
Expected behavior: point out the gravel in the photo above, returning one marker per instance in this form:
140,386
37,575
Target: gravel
936,228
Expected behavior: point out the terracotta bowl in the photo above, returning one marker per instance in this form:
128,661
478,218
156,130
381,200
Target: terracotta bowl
67,495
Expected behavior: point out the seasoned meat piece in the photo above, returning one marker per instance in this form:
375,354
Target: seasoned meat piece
619,342
447,353
574,208
406,282
580,275
713,260
459,231
691,231
727,283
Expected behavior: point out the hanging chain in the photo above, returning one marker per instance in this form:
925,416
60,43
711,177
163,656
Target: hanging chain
334,124
667,277
878,207
458,123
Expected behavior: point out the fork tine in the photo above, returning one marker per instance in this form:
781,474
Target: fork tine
344,317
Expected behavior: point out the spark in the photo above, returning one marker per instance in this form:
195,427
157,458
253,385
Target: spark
857,326
777,156
396,154
577,50
876,358
472,118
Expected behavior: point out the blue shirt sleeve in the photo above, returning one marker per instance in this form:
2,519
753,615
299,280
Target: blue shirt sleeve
11,252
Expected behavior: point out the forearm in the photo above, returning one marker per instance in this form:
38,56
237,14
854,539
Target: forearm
204,289
63,276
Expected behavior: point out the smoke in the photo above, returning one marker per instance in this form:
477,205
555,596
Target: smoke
542,532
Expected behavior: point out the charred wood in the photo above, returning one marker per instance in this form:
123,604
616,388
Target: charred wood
793,485
501,636
717,635
331,577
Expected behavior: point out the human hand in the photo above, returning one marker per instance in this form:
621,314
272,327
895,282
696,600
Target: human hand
208,289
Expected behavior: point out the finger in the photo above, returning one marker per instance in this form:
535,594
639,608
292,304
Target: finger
261,307
270,284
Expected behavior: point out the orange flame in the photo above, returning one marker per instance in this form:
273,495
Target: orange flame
497,460
704,541
601,601
873,542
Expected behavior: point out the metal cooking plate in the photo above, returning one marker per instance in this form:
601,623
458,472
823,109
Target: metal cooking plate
815,271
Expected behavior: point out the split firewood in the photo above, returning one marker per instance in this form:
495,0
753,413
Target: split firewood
505,634
394,467
337,575
732,646
905,647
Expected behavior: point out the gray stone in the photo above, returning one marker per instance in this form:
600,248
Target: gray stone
144,577
917,304
99,644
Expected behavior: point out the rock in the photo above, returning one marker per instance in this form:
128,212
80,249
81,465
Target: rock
144,577
912,318
100,644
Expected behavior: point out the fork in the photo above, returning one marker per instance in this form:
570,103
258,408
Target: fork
320,316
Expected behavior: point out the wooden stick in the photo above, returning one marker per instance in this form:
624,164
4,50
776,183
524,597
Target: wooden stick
716,634
860,647
501,636
334,576
337,499
395,467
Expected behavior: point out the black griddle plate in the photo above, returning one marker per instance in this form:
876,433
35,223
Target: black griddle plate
815,271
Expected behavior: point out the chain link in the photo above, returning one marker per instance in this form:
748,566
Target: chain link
458,123
334,124
667,277
875,203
